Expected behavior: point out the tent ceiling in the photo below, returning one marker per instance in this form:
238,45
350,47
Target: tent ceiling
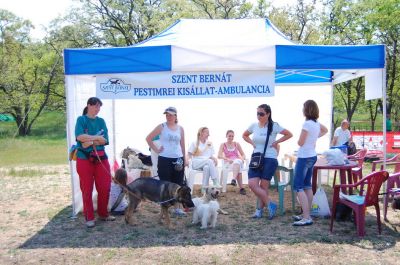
228,45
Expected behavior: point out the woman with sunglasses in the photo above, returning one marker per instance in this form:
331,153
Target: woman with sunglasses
259,179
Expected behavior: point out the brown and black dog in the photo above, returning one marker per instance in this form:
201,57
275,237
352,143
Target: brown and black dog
164,193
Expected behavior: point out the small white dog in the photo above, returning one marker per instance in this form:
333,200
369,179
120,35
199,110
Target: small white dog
206,208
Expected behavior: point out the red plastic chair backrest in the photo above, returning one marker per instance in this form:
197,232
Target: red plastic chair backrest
374,182
359,157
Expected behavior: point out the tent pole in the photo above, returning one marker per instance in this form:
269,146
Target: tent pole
384,117
384,121
69,137
114,138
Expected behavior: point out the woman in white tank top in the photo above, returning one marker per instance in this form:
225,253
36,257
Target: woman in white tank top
171,159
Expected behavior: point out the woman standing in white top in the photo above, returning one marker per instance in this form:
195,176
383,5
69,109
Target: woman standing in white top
171,160
306,158
260,178
202,154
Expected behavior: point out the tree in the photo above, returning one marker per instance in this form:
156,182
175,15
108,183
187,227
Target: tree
29,74
384,16
225,9
119,22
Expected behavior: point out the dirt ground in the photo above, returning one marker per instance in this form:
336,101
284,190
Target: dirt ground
37,228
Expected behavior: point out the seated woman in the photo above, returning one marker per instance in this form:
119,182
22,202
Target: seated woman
201,153
232,154
118,202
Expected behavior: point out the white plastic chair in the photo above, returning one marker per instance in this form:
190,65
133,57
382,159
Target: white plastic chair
191,175
226,168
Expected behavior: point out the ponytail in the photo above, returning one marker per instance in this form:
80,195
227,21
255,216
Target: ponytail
267,109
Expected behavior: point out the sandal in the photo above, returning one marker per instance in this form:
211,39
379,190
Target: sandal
303,222
108,218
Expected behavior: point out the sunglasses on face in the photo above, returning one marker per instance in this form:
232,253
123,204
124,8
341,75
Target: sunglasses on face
262,114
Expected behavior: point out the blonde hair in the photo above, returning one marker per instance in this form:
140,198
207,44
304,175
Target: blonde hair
197,151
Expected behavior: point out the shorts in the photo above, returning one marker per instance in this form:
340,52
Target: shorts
267,172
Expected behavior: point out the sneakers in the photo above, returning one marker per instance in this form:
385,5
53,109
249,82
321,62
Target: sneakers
303,222
297,217
242,191
271,210
107,219
179,212
233,182
258,214
90,224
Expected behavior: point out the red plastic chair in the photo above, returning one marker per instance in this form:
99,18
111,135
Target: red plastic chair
393,180
359,202
357,171
390,161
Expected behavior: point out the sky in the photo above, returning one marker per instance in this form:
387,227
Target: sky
41,12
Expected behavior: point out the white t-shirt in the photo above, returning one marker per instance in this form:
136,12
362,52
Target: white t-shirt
259,136
115,190
308,149
343,136
205,150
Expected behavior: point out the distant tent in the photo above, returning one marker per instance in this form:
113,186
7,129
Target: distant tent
6,117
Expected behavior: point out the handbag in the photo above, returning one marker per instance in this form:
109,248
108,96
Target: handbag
257,159
73,152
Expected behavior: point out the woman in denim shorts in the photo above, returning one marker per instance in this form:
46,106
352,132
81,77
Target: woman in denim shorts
259,179
306,158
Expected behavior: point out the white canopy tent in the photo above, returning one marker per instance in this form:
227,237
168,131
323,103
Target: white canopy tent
216,72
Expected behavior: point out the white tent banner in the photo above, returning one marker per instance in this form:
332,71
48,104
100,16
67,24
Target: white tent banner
186,85
373,84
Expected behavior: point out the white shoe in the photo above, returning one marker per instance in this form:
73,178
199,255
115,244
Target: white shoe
90,224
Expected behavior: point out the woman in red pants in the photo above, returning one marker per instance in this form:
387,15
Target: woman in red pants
92,162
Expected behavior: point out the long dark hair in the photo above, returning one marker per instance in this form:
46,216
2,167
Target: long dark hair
267,109
91,101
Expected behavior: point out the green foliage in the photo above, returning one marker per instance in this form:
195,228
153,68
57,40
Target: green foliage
30,76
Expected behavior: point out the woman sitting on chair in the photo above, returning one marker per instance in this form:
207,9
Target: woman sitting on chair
201,153
232,154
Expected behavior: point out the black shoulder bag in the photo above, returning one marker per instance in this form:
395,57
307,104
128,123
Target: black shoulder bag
257,159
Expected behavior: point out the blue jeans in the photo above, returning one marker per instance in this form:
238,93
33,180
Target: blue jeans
303,173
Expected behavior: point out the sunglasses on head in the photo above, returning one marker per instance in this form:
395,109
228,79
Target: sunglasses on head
262,114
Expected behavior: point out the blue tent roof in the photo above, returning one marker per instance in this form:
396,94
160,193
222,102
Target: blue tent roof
211,45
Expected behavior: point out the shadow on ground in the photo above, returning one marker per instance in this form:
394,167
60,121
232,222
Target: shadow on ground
236,228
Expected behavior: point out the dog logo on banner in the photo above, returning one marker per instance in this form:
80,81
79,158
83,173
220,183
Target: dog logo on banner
115,85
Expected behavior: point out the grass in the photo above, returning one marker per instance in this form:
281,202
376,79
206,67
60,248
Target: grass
30,151
47,144
49,125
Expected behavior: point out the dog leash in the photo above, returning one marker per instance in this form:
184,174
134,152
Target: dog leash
125,188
